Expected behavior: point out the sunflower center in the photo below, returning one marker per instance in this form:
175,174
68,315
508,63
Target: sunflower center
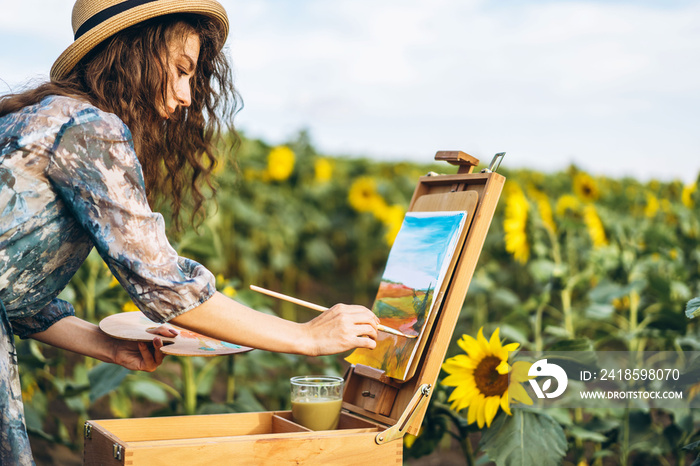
488,380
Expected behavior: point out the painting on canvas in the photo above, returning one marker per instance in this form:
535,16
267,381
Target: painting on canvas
414,274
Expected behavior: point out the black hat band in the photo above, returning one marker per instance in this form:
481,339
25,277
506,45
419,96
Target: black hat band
108,13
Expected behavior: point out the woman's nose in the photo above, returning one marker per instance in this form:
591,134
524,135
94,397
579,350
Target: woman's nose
183,95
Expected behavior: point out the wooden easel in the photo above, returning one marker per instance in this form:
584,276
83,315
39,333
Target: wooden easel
377,411
402,404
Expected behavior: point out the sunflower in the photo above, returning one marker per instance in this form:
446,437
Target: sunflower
483,379
515,225
545,209
565,204
363,195
595,226
229,291
687,194
323,170
392,217
393,223
652,207
280,163
129,306
585,187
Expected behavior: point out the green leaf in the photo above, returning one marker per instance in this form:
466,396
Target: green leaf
574,344
580,433
523,439
33,419
692,309
318,253
691,446
104,378
542,270
149,389
599,311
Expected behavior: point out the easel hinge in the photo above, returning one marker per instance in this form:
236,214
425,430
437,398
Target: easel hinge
398,430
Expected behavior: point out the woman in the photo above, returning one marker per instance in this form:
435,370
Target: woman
129,116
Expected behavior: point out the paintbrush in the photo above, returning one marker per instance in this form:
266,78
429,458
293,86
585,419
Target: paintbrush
316,307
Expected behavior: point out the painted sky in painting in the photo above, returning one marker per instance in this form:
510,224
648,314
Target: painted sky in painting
418,252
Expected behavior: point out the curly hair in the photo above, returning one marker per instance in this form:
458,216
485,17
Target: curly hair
127,74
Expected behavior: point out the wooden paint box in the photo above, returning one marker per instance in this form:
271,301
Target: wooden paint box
240,439
377,411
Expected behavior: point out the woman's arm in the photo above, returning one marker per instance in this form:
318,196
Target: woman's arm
96,172
79,336
341,328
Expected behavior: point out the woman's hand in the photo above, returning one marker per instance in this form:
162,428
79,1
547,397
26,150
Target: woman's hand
142,356
341,328
79,336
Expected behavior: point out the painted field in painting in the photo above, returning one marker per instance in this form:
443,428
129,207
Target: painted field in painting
415,268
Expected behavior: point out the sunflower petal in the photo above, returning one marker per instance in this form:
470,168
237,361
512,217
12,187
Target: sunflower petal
495,341
480,410
491,408
458,363
472,347
519,371
455,380
466,400
467,394
503,368
483,342
505,403
471,414
505,351
518,393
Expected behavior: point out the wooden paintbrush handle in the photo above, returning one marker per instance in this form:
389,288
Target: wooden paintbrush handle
316,307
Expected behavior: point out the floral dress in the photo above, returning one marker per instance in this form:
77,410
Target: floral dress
70,180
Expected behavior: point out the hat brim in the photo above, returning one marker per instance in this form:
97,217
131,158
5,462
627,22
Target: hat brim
80,47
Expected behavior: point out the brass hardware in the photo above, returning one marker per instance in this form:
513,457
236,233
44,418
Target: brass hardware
367,394
398,431
87,430
117,451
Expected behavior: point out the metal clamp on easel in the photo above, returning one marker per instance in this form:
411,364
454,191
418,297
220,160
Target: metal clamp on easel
399,429
493,166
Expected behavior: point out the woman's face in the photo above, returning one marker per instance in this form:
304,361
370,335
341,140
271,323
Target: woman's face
182,61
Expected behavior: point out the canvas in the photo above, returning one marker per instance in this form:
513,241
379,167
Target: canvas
415,271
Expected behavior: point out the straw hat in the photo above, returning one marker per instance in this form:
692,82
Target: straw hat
96,20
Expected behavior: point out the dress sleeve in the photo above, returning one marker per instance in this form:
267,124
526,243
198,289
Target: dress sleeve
96,173
56,310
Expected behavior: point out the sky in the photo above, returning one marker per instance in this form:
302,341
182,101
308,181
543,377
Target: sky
612,87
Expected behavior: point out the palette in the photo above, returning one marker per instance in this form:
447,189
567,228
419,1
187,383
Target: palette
134,326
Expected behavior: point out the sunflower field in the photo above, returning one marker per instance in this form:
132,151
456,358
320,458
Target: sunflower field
571,262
